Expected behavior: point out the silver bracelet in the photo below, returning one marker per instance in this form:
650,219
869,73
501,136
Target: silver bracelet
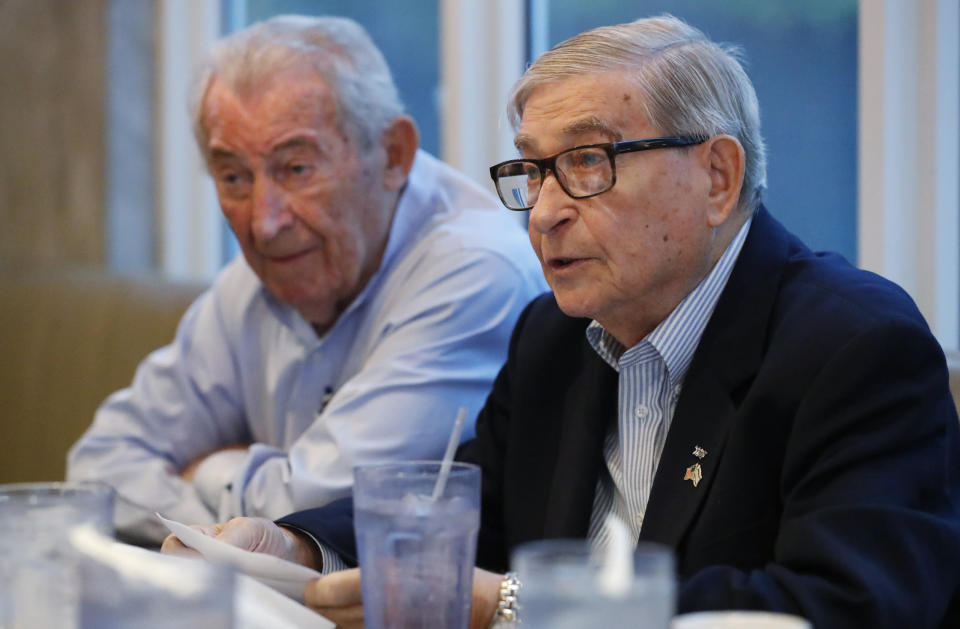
508,612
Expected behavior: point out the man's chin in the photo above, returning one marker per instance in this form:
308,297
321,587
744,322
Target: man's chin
322,319
317,312
573,305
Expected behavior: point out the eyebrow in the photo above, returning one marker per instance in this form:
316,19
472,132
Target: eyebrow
299,141
580,126
218,153
592,124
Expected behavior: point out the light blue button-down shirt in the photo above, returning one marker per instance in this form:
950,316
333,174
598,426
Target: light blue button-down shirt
425,336
651,376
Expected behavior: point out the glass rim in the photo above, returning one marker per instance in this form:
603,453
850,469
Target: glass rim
579,549
56,487
418,463
721,617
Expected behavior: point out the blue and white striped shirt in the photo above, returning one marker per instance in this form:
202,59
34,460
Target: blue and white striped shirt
651,377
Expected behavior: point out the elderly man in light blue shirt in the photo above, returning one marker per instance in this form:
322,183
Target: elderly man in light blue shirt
375,295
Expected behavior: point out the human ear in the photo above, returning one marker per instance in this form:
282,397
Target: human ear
400,141
726,163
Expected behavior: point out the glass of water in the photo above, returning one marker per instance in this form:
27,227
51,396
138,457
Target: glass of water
561,587
125,587
38,580
416,550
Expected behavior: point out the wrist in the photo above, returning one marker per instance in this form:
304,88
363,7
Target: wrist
304,550
507,612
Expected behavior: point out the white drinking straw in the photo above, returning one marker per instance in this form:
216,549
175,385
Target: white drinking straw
616,573
448,455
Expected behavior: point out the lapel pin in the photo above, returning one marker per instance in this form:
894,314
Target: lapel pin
699,452
693,474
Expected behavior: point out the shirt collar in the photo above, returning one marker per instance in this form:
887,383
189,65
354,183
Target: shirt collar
676,338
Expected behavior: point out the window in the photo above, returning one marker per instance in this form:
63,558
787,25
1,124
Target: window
802,59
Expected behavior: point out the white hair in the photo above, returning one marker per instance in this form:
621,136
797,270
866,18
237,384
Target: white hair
337,49
691,85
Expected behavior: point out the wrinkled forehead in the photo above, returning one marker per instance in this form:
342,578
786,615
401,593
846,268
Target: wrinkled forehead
291,98
606,107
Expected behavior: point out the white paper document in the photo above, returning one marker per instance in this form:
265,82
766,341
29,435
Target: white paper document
260,607
282,575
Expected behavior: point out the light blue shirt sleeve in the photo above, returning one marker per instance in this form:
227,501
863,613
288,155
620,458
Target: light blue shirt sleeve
183,403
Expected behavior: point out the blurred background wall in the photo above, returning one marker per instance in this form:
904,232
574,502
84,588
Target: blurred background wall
53,153
76,133
76,206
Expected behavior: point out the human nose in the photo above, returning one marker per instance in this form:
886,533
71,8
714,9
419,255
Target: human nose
271,213
553,208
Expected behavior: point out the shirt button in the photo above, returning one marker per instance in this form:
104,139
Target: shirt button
642,411
638,518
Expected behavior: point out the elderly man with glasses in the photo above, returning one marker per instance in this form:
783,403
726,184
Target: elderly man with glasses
777,417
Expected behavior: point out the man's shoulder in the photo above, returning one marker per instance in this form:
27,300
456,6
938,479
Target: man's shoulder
467,237
449,221
238,297
819,292
236,282
825,288
823,305
481,229
788,307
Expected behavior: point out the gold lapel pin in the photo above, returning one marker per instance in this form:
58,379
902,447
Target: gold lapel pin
693,474
699,452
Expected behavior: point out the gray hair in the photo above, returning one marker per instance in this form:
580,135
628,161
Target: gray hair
691,86
337,49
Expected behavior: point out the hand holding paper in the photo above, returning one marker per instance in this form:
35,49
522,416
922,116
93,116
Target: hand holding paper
283,575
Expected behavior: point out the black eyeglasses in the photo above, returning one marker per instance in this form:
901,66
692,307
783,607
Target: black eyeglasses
583,171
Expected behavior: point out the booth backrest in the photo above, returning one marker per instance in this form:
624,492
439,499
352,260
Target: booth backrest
68,338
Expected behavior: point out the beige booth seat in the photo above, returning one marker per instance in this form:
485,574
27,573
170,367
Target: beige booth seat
68,338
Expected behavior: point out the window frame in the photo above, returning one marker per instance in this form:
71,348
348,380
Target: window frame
189,219
909,153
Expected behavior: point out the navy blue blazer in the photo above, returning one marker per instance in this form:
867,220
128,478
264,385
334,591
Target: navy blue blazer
831,480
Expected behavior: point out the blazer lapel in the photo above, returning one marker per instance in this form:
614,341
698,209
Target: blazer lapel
703,416
587,410
725,362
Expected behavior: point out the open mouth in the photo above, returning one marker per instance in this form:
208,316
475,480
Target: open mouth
562,263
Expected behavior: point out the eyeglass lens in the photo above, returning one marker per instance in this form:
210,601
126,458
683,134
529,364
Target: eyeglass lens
581,172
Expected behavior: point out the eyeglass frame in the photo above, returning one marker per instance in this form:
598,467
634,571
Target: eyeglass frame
612,149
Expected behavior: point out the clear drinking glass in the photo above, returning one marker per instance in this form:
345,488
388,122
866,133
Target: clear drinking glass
126,587
416,554
38,581
561,588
